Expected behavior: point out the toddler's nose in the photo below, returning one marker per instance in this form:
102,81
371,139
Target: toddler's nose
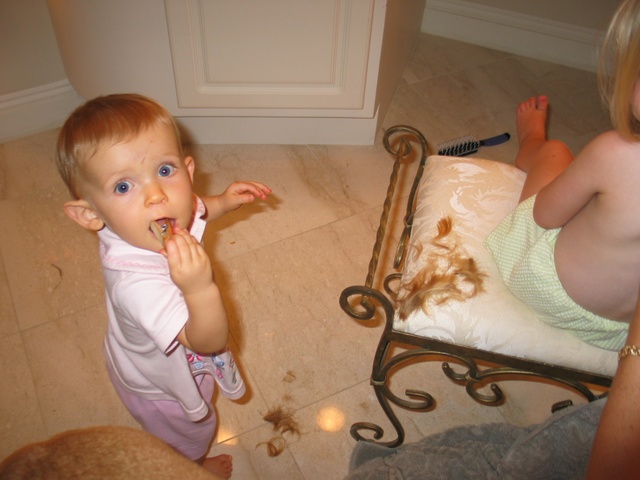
154,194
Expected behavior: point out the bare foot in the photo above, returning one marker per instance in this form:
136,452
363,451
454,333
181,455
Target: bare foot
531,122
221,465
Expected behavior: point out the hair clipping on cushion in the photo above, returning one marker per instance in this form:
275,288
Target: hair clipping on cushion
460,147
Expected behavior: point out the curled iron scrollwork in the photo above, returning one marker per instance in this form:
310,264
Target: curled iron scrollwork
362,302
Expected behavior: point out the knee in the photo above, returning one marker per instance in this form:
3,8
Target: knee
556,149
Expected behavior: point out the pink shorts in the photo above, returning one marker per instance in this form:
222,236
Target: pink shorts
166,420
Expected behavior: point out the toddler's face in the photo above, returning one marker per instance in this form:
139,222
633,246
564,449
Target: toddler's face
133,183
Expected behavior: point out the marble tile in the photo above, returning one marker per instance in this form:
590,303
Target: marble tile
51,264
27,166
283,304
411,108
579,91
8,320
577,87
434,56
312,186
576,106
20,405
68,371
480,91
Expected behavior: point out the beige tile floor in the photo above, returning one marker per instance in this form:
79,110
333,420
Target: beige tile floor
281,265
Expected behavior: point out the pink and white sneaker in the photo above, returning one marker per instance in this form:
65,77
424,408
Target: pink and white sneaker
227,375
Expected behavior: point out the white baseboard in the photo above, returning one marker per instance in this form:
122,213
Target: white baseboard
36,109
280,130
512,32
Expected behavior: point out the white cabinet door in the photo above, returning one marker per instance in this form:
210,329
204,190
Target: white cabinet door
256,55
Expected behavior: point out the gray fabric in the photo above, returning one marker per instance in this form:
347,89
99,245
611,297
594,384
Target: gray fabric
558,448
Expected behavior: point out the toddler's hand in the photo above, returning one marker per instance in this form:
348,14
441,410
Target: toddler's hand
189,265
239,193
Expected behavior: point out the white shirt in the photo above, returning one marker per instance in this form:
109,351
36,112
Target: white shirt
146,312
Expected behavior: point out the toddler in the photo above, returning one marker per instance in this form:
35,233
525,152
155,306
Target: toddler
121,157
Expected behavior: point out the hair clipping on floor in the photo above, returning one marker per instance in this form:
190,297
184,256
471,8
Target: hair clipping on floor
460,147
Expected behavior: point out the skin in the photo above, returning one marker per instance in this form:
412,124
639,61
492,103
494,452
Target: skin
594,198
617,442
127,186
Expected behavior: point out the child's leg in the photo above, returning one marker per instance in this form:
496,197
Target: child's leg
542,159
166,420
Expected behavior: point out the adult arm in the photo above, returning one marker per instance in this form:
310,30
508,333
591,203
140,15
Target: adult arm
616,448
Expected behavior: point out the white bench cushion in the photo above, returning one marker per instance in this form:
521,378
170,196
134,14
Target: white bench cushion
477,194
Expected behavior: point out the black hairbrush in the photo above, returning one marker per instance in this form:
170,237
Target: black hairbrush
459,147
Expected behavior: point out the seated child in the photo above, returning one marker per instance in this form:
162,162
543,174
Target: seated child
571,250
122,159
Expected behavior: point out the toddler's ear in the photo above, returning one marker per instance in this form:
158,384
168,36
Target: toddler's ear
190,163
81,212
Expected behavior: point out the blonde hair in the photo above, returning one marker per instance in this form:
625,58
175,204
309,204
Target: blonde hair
106,120
448,274
619,68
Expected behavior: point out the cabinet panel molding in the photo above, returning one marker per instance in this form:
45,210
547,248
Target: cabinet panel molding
258,54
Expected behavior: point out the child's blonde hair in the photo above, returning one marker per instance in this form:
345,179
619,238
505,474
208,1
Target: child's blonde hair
105,121
620,66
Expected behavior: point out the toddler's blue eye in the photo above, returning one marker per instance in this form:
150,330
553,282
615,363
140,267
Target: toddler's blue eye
122,187
166,170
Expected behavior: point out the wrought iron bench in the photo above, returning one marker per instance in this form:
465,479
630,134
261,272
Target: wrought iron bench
476,194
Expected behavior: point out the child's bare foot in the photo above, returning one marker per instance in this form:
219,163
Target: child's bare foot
221,465
531,121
